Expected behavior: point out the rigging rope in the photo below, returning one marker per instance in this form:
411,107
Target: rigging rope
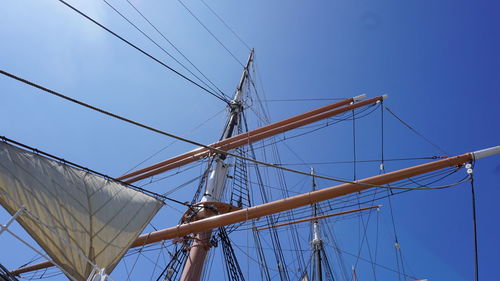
142,51
382,164
172,142
308,99
328,123
156,262
398,250
172,44
211,33
389,192
304,212
376,264
416,132
158,45
228,27
129,273
474,222
365,238
360,161
354,158
216,150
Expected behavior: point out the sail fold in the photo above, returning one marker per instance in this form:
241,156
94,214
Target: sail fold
75,216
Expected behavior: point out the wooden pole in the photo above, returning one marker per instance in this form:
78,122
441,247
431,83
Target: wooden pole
298,201
197,253
249,137
220,143
319,217
287,203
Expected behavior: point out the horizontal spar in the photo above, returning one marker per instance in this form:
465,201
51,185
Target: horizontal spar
320,217
250,137
296,201
223,142
292,202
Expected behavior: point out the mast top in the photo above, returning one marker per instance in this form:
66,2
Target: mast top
360,97
238,94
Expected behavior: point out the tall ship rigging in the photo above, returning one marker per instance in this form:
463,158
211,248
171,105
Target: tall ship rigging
256,199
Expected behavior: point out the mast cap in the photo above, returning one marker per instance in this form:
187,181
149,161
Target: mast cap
360,97
486,152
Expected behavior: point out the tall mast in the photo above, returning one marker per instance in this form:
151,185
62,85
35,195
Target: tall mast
215,186
316,242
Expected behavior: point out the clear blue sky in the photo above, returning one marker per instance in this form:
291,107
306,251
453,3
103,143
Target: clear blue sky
437,60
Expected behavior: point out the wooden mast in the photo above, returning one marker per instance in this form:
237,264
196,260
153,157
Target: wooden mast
294,202
193,268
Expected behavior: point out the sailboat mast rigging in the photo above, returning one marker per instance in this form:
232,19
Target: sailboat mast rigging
200,246
316,242
238,202
296,201
210,213
252,136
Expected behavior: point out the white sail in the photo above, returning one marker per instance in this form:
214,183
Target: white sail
73,215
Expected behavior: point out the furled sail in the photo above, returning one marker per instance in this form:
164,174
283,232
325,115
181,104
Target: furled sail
75,216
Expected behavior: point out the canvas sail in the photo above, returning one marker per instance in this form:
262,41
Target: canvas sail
72,214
